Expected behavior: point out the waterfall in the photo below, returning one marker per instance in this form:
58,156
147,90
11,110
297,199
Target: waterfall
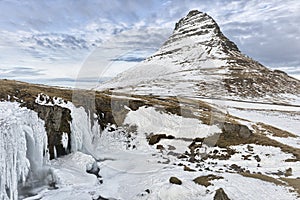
23,143
85,129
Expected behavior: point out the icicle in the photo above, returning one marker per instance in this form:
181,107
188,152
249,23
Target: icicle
22,145
64,140
54,152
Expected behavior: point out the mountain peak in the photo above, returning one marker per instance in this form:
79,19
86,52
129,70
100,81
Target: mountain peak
194,12
191,16
197,23
198,59
198,37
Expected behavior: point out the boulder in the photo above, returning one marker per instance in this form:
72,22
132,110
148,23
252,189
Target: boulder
156,138
237,129
175,180
221,195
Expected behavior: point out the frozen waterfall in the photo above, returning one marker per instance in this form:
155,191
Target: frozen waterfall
23,147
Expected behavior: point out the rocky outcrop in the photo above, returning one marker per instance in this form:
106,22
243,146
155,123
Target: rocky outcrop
153,139
221,195
57,122
236,130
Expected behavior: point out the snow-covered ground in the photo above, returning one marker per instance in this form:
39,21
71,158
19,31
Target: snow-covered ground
130,168
284,117
285,120
71,179
148,120
143,172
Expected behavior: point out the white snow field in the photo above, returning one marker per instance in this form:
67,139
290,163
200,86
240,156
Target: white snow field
130,168
143,172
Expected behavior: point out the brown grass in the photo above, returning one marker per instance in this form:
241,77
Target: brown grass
295,183
292,182
276,131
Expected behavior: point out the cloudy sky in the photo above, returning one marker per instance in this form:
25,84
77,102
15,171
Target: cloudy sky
54,41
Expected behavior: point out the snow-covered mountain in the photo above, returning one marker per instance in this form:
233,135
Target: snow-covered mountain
198,60
184,124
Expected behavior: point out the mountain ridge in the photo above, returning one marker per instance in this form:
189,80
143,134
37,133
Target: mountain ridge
199,59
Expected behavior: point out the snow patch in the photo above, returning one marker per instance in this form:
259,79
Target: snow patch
149,120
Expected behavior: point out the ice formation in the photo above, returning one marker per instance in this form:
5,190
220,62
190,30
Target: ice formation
23,144
85,128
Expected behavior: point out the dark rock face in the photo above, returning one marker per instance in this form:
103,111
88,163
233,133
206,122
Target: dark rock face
257,158
236,168
188,169
221,195
57,121
288,172
112,111
103,198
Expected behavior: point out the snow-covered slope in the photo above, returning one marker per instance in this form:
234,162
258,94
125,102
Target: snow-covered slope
130,168
198,60
143,141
